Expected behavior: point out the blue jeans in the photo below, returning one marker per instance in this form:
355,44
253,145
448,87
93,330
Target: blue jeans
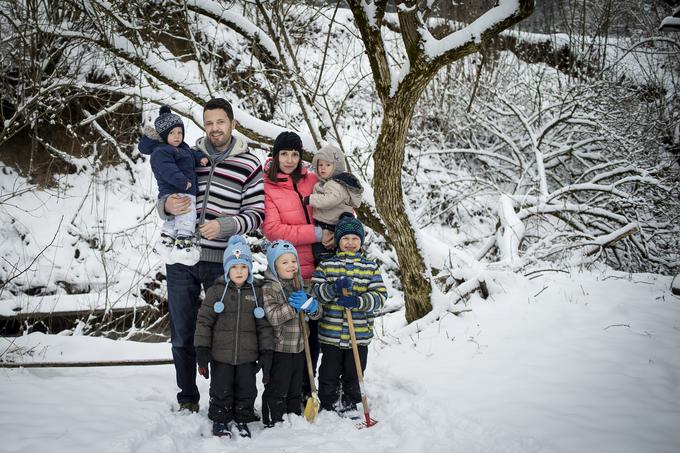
184,290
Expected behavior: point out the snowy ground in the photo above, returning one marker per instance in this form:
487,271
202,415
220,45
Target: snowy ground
587,362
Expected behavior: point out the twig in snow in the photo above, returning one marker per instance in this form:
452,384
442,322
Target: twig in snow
617,325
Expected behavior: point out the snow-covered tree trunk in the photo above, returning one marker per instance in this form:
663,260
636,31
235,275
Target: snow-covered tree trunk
511,232
390,202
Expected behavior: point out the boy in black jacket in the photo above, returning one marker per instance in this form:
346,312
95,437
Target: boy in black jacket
232,334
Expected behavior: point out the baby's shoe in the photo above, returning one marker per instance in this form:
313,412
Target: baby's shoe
186,251
164,247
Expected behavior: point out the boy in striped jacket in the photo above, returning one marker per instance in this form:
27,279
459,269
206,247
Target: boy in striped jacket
349,279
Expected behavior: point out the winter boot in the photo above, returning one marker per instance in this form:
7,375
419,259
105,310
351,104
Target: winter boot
243,429
188,406
220,429
348,410
186,251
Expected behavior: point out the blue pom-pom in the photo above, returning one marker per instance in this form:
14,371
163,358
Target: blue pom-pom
164,110
236,239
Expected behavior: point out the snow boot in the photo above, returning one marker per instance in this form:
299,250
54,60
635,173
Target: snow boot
188,406
348,410
243,429
220,429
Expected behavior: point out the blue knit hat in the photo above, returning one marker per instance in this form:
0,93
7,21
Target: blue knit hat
348,224
238,252
166,122
274,250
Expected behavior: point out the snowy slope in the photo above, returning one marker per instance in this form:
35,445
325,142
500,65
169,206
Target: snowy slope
581,362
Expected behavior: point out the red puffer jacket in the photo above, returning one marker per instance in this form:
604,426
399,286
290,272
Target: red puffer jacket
285,216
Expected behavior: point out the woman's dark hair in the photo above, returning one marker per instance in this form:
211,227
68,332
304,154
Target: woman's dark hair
274,170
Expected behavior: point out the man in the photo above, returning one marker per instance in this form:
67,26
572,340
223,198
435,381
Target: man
230,200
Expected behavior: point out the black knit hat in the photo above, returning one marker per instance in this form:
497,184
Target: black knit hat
348,224
166,122
287,140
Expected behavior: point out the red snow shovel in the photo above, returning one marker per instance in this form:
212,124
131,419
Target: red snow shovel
357,364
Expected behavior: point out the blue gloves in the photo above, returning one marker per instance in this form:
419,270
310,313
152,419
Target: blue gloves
343,283
310,306
348,301
297,299
300,301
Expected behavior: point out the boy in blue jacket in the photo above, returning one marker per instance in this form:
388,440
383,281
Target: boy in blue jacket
347,280
174,165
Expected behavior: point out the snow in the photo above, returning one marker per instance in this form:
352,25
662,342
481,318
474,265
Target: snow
560,362
670,23
437,47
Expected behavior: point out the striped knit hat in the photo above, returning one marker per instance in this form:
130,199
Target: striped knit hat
166,122
348,224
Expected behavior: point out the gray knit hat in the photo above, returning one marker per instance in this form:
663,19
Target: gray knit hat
332,154
166,122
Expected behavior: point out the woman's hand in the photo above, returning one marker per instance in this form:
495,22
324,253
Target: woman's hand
328,239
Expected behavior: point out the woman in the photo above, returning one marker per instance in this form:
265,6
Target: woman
286,182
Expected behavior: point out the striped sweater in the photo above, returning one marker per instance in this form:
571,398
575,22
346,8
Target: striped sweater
368,286
235,188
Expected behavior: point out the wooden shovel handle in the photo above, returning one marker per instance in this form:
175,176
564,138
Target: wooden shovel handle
357,361
305,337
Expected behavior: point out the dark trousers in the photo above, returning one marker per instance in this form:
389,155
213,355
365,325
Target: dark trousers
184,290
337,368
232,392
314,352
283,393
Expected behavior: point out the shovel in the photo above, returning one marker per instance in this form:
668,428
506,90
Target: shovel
357,364
313,403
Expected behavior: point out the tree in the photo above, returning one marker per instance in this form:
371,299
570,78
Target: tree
399,90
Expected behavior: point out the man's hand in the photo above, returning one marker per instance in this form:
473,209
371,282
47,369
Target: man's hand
177,204
210,229
328,239
204,162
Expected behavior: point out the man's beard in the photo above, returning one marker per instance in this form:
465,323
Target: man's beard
221,140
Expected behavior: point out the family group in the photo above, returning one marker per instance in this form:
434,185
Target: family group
318,278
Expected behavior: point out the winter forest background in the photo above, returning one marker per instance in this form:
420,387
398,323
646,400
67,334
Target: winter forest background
500,144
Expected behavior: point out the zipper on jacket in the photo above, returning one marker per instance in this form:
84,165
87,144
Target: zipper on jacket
201,218
302,203
238,318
